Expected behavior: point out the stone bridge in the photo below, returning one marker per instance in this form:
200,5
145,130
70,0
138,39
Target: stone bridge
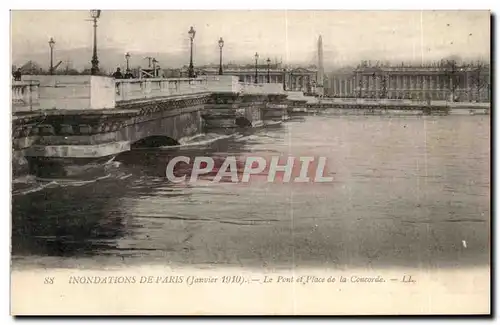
76,119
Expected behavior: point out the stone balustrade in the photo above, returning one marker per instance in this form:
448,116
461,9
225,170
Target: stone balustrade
230,84
74,93
262,88
25,95
61,92
141,89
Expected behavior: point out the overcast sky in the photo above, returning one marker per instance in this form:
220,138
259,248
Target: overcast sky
348,36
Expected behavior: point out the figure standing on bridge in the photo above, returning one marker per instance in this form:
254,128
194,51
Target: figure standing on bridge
17,74
117,74
129,75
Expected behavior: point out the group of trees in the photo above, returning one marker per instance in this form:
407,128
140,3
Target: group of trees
33,68
477,73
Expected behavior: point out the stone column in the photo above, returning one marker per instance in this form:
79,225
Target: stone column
392,85
424,86
432,86
418,87
406,84
468,88
359,85
398,85
366,85
438,87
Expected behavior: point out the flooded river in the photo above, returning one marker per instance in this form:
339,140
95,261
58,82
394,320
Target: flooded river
406,191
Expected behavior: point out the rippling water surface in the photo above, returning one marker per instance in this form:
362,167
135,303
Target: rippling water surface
407,191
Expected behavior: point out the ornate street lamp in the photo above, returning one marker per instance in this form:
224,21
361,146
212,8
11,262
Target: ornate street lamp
256,73
268,73
191,33
52,43
127,57
95,14
221,45
284,79
154,67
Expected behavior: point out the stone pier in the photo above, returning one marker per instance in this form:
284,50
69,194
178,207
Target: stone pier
233,104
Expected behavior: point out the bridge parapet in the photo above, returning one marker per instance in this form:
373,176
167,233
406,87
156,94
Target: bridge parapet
64,92
262,89
231,84
25,95
140,89
223,84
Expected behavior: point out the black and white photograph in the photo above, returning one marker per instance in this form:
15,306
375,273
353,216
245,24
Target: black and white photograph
240,162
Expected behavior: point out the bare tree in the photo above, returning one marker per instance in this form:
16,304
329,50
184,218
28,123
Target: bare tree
479,77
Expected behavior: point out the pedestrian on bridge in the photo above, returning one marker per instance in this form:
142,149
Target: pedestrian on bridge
117,74
129,75
17,74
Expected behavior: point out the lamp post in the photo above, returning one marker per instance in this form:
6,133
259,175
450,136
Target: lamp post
284,79
127,57
191,33
221,45
154,67
95,14
256,73
268,73
51,44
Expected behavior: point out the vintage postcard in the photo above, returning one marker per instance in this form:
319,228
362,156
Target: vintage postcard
265,162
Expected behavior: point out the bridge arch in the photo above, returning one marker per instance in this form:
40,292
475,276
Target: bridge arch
154,141
242,122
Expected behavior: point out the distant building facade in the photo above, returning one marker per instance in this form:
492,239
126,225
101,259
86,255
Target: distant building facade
292,78
444,80
309,80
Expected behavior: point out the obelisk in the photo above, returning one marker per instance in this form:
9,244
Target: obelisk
321,72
